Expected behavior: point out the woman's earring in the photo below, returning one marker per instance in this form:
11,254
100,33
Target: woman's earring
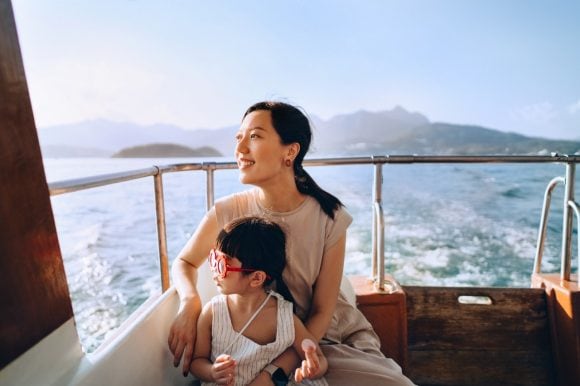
288,162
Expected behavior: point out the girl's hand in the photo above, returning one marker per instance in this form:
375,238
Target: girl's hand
310,367
223,371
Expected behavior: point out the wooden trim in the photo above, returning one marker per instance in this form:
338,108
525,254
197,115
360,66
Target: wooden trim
34,297
387,312
564,309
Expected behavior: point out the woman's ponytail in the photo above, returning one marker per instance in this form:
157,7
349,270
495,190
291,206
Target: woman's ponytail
307,185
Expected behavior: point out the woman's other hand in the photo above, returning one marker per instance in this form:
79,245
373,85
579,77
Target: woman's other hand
310,367
184,271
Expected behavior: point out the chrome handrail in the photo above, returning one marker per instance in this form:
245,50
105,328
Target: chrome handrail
566,258
574,206
77,184
161,231
544,223
378,235
73,185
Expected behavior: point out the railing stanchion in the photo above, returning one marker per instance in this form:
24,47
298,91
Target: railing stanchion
378,236
210,195
161,231
544,223
574,206
566,258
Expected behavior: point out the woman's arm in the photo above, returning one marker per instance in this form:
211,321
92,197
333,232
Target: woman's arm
184,271
326,289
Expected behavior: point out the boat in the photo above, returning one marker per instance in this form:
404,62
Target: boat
439,335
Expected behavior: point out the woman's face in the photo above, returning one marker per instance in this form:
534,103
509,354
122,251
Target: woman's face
259,150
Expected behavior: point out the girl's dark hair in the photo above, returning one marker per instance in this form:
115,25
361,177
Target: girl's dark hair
292,126
259,244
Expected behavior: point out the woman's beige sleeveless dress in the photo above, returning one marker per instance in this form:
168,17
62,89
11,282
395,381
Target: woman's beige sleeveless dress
350,344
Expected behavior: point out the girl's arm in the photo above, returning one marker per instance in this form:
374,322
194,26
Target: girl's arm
201,364
223,370
184,271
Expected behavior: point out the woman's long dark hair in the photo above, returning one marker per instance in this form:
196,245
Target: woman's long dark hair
259,244
292,126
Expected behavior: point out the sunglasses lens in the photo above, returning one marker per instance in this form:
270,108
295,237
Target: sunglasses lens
221,267
217,263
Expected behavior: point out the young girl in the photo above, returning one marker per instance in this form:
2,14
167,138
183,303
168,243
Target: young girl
241,331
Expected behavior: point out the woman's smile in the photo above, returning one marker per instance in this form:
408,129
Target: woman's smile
244,163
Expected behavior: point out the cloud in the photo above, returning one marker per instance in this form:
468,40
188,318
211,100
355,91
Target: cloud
542,112
574,108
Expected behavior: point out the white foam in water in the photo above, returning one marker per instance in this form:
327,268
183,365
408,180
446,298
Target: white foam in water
87,238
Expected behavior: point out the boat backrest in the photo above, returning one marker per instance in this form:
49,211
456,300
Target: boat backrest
478,336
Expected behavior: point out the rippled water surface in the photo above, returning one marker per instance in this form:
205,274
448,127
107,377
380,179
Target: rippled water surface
458,225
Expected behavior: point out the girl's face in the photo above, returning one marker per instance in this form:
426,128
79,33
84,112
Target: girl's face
259,150
227,272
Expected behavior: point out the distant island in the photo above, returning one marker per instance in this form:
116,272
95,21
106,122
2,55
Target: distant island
165,150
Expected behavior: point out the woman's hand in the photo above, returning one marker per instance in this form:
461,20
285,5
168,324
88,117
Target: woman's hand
223,371
183,332
311,366
184,271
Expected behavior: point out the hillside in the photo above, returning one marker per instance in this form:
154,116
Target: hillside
395,131
167,150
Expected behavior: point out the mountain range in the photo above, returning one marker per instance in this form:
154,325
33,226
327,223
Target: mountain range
395,131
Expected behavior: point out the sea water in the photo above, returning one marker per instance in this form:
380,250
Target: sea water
452,225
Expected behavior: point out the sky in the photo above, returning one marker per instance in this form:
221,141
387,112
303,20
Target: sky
510,65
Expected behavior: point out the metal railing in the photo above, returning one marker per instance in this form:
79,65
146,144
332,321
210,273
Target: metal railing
378,225
570,209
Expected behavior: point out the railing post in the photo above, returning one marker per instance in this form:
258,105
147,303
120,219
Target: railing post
544,223
566,258
378,235
574,206
161,230
209,185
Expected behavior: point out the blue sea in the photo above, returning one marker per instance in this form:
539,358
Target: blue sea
452,225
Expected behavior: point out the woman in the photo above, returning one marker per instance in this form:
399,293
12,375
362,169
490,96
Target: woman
271,144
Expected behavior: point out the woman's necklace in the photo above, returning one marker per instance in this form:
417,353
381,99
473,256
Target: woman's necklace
268,210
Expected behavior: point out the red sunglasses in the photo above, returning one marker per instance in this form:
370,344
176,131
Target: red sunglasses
218,264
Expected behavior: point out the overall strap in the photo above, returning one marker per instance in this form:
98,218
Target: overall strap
248,322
